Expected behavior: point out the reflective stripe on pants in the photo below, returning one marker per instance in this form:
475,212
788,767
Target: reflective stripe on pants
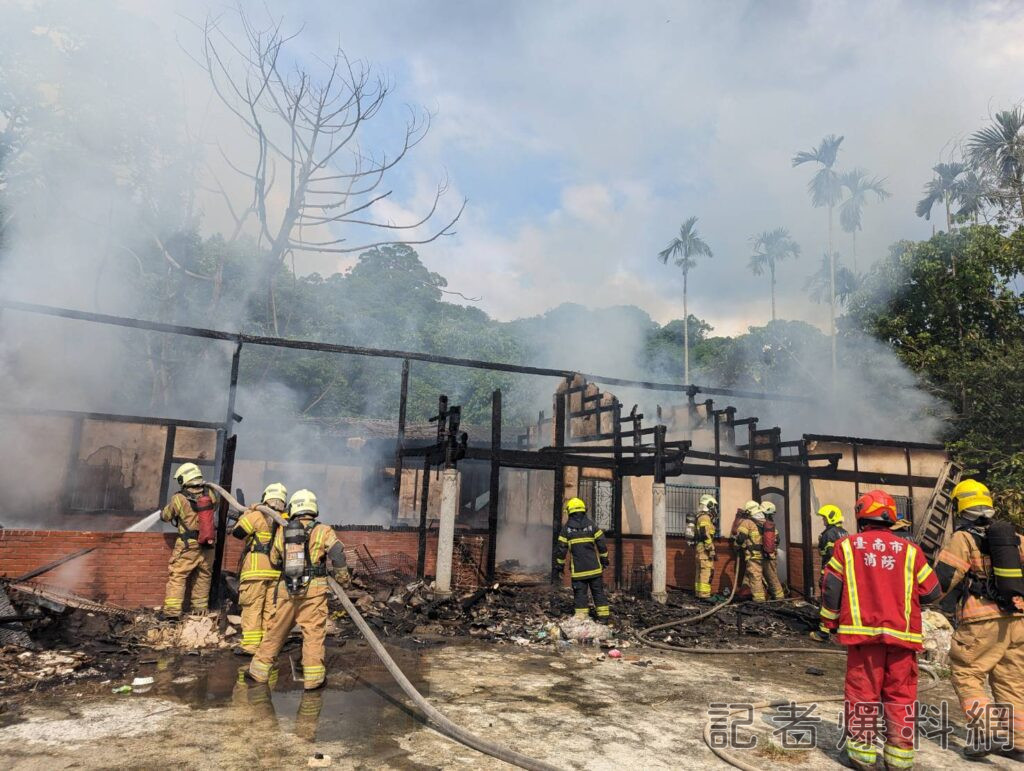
183,563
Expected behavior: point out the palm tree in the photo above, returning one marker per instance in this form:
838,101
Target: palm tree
819,284
825,190
859,187
943,187
973,194
1000,148
770,248
683,250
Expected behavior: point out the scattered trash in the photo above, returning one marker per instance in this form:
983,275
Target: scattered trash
319,760
814,671
615,653
122,689
139,681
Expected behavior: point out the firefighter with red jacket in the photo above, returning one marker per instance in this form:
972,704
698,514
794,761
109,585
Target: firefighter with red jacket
583,543
874,586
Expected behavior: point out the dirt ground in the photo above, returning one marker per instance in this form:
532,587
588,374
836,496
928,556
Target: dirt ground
568,706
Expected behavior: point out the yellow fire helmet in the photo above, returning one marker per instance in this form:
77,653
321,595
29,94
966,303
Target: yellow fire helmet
188,475
275,491
970,493
768,508
303,502
575,506
833,514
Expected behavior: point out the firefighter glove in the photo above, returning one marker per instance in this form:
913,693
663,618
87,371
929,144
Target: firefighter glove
343,576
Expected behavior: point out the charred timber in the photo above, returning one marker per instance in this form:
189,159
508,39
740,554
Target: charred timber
323,347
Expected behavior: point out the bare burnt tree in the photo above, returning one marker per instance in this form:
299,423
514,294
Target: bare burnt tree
315,187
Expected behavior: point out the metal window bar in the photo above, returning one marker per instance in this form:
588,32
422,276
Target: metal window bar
905,506
597,494
681,503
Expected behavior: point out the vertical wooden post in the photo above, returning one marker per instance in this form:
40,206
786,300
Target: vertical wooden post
403,401
492,504
617,489
421,551
558,440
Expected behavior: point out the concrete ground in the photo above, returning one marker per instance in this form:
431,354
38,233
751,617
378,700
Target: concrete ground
646,710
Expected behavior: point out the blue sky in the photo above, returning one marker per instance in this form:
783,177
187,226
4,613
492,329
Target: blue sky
582,133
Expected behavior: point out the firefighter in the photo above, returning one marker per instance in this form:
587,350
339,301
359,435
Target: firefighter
301,551
189,555
704,530
747,542
770,548
875,583
833,531
257,577
585,546
987,651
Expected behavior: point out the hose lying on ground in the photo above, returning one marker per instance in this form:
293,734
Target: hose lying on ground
434,716
642,635
734,761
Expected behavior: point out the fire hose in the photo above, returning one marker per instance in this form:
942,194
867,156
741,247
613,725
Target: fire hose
434,716
642,635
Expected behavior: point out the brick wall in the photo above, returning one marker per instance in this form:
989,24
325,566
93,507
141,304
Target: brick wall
130,569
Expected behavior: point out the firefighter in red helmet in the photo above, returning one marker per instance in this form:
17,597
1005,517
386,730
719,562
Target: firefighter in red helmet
872,593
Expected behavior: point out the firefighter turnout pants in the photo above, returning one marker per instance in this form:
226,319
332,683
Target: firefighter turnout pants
257,601
310,613
753,578
990,653
771,578
186,560
705,570
881,683
583,589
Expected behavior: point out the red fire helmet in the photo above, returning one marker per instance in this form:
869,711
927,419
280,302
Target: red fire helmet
876,506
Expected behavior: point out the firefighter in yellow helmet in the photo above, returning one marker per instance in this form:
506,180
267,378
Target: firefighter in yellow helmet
770,549
747,542
583,543
257,577
191,511
301,551
704,530
979,571
833,531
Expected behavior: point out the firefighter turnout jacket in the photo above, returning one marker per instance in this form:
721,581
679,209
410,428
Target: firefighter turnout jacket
322,542
583,542
874,586
748,539
963,566
704,530
257,530
827,541
181,513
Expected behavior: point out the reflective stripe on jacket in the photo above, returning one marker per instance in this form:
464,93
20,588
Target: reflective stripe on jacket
256,564
748,538
883,579
962,558
583,542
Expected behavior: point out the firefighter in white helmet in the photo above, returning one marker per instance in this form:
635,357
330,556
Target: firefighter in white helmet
747,540
301,551
704,530
257,578
770,549
191,511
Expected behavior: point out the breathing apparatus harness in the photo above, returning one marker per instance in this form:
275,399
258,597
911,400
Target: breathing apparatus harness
1004,584
298,568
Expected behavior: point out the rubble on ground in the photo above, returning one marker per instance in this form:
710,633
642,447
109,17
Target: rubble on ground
190,633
